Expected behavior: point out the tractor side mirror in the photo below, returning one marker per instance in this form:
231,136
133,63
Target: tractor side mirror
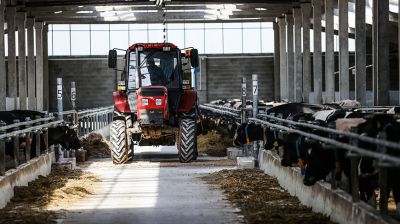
112,59
194,58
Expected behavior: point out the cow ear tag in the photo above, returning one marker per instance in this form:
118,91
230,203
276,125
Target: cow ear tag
378,124
300,163
276,144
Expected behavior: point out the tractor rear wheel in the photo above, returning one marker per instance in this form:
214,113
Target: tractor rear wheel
121,152
187,140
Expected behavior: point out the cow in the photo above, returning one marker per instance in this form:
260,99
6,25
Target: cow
62,135
320,162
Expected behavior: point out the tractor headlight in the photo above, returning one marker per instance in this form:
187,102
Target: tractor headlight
158,102
145,102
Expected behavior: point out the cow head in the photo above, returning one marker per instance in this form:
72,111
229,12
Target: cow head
64,136
320,163
254,133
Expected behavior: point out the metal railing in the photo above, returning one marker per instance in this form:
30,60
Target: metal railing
328,138
94,119
13,133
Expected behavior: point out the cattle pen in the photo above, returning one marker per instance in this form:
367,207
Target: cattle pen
357,146
36,157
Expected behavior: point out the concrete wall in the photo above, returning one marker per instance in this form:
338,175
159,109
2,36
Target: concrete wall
334,203
221,76
95,82
24,174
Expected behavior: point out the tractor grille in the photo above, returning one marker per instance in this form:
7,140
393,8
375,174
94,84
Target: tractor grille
152,92
151,116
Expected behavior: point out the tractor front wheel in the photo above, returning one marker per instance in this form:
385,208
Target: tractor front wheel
121,152
187,141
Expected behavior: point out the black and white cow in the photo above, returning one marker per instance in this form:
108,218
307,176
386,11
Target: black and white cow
320,162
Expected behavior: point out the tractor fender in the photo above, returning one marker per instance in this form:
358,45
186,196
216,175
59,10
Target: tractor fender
188,101
121,102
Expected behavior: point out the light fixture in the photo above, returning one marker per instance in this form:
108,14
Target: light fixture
260,9
58,12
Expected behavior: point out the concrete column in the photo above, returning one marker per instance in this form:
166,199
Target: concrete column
30,22
298,60
39,66
383,53
21,18
361,51
45,68
306,14
277,93
290,57
344,50
3,75
12,64
330,52
283,59
317,56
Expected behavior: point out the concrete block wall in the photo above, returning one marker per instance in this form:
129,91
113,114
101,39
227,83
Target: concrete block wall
221,76
95,82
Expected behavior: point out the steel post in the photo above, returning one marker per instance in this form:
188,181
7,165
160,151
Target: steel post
73,95
354,161
255,110
37,138
27,142
59,99
46,136
244,93
383,178
3,74
15,140
2,151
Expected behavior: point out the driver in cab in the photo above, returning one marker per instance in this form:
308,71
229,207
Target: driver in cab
156,73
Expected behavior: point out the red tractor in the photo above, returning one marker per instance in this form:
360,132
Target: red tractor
155,103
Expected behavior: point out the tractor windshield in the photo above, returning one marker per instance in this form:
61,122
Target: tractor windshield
159,68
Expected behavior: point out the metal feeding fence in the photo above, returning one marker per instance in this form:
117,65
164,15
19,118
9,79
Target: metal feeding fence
327,136
12,135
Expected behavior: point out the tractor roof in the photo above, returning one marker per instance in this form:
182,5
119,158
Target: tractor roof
153,46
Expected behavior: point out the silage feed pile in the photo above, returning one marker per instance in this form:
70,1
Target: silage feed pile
32,203
214,143
96,146
261,199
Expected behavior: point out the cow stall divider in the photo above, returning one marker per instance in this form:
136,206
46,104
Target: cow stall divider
355,152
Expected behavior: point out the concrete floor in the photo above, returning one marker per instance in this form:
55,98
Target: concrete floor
153,194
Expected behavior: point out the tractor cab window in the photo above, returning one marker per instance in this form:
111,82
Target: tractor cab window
159,68
132,71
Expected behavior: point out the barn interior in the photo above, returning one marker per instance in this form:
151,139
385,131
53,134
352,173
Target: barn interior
260,76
